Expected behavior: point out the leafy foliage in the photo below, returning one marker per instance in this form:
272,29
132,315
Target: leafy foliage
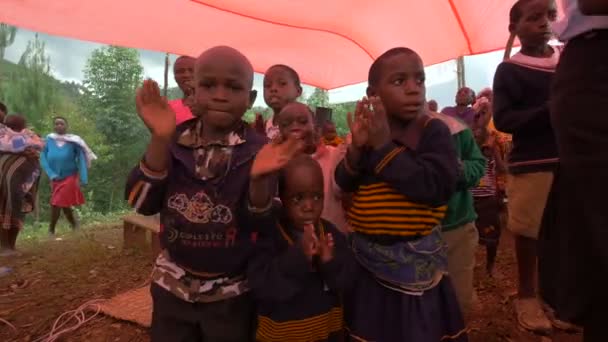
7,37
112,75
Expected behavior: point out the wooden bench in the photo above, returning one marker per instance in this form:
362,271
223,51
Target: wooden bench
141,232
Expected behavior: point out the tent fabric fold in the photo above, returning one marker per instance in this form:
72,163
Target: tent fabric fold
331,43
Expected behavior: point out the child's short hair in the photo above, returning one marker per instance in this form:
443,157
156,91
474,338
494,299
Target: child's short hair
16,122
516,11
312,114
294,74
60,118
375,71
3,108
302,160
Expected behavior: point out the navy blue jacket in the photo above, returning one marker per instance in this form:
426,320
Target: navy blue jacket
297,301
203,223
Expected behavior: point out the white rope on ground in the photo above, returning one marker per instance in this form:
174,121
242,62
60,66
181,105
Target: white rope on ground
79,315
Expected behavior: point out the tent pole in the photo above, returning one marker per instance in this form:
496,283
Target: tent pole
460,72
165,90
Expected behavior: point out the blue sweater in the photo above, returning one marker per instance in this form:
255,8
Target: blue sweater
62,162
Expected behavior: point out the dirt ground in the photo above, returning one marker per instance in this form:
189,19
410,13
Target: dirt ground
52,277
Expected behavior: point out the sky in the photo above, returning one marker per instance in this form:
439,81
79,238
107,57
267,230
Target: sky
69,56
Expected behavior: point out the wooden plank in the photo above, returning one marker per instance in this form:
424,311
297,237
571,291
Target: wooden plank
151,223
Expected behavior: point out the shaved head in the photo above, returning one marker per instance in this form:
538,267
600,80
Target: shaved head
238,64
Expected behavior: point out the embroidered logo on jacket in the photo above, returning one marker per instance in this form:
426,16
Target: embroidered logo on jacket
200,208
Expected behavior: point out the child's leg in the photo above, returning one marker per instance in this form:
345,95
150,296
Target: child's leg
69,214
55,212
4,239
491,251
525,250
172,318
230,320
462,243
528,194
12,236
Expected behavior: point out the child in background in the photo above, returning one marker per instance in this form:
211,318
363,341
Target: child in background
458,226
296,121
302,262
197,178
281,86
433,106
465,97
521,108
183,71
330,136
402,169
486,196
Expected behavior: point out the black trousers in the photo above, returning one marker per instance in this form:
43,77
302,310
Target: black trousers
175,320
579,112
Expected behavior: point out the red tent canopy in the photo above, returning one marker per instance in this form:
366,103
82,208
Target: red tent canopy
331,43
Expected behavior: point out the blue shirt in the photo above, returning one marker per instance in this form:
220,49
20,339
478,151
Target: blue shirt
575,23
62,162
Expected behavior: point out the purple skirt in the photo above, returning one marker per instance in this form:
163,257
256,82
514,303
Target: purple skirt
376,313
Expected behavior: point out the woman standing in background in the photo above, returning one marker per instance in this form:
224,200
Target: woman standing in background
65,159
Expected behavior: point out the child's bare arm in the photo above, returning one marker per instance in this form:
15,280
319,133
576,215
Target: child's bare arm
269,160
156,114
501,165
146,184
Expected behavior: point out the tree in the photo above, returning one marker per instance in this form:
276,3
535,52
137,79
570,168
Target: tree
111,77
7,37
31,89
318,98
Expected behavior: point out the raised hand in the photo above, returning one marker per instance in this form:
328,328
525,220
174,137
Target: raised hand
326,248
359,124
274,156
154,111
379,130
310,242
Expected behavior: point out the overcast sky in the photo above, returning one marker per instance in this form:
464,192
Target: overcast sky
68,58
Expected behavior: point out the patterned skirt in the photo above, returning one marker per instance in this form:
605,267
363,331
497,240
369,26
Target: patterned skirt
18,186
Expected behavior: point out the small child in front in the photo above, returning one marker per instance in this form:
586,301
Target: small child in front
197,177
402,169
302,262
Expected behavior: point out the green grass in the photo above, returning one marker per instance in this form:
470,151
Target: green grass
7,67
35,231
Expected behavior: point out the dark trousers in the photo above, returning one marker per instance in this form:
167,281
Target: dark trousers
175,320
579,110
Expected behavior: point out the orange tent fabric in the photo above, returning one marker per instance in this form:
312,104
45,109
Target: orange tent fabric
331,43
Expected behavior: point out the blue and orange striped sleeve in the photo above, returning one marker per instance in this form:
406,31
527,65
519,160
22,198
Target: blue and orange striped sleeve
145,190
427,175
347,175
